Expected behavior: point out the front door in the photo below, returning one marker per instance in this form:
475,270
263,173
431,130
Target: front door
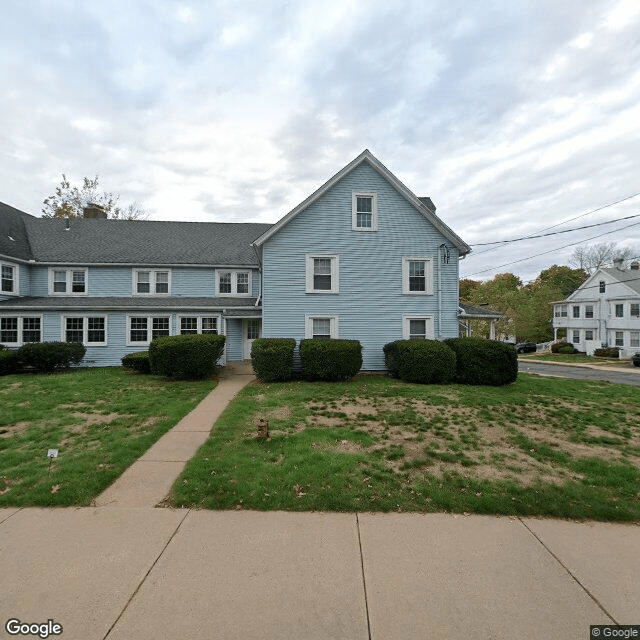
251,329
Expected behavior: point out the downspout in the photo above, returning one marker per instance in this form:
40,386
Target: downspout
259,298
440,291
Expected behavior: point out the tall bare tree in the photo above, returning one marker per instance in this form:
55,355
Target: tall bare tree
69,201
592,257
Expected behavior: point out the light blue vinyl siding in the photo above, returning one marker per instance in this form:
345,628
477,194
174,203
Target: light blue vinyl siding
39,282
370,304
193,282
234,339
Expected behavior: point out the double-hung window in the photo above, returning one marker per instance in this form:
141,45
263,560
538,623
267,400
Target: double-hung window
68,282
197,324
576,311
576,336
588,311
9,278
151,282
619,310
18,330
142,330
619,338
322,274
234,283
634,339
417,276
603,286
364,211
321,327
417,327
635,310
588,334
87,330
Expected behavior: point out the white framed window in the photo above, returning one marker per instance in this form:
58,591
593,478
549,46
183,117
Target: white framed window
635,310
320,326
603,286
588,334
88,330
576,336
417,276
18,330
619,311
364,211
619,338
198,324
588,311
233,283
68,282
141,329
8,278
322,273
576,311
634,338
151,282
417,327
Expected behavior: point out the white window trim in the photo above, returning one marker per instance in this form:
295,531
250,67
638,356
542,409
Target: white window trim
234,283
428,268
16,283
149,318
417,316
335,273
334,329
69,281
152,283
20,328
85,328
199,317
374,210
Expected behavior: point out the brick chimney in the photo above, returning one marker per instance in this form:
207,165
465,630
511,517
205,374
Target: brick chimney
428,203
94,211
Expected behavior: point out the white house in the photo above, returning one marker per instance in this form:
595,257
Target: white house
604,311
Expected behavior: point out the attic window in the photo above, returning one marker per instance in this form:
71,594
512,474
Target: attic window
603,286
364,211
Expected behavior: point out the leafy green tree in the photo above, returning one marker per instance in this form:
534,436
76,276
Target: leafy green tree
69,201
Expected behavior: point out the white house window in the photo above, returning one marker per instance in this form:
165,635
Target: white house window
321,327
563,311
576,311
634,338
9,280
635,310
619,339
588,311
17,330
364,216
576,336
198,324
67,282
603,286
417,276
143,329
417,327
619,310
87,330
322,274
588,334
151,282
234,283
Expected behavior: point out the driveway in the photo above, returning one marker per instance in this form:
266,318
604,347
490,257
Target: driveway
580,372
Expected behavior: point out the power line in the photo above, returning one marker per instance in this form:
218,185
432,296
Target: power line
554,233
553,250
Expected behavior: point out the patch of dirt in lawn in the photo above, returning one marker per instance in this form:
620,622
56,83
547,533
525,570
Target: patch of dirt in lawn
150,422
281,413
12,387
91,419
14,429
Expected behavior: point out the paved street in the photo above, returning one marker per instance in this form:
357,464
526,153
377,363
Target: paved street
617,376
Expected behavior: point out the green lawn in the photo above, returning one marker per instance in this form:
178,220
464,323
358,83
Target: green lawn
577,358
100,420
566,448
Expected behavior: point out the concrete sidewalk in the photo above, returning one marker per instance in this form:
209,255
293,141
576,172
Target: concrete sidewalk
123,573
150,478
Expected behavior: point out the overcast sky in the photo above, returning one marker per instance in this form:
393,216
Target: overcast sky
512,116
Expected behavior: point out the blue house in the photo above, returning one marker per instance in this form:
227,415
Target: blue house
362,258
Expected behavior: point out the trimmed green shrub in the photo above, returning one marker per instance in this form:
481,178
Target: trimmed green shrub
607,352
138,361
272,358
330,360
566,348
9,362
45,357
423,361
484,362
187,357
556,346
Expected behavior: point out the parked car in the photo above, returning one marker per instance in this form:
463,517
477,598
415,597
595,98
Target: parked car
526,347
635,358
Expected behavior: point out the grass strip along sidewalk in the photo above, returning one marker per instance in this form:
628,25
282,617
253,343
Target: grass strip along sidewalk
541,446
100,420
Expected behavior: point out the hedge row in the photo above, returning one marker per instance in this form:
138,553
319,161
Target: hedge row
187,357
272,358
41,357
484,362
138,361
423,361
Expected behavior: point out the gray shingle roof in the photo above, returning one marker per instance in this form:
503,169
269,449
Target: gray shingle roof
145,242
631,277
78,303
469,311
13,234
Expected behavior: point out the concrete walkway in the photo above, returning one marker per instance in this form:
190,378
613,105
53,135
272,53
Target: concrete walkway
148,480
114,573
